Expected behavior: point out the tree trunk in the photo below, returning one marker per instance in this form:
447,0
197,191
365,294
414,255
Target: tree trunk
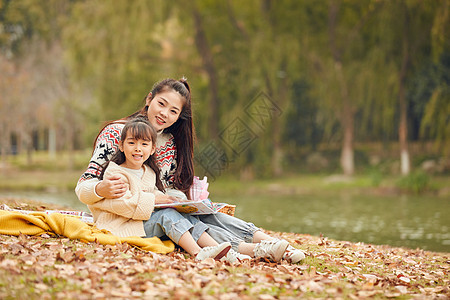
347,156
52,142
277,156
403,123
70,144
347,117
5,145
277,159
403,127
347,114
28,145
204,50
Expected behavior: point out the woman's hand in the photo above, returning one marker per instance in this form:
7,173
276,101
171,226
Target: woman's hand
164,199
180,200
112,187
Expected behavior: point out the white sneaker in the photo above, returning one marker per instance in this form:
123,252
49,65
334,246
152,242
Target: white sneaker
272,249
234,256
216,252
293,255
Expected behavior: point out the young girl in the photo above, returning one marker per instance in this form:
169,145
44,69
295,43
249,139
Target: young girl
168,109
129,215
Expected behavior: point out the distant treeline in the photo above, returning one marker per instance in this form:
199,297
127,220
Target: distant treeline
273,82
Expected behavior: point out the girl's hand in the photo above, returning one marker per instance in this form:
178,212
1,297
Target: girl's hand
164,199
112,187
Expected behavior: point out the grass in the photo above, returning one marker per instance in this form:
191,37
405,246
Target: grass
43,173
37,180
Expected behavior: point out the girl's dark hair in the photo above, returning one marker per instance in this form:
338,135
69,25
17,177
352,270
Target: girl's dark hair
139,128
182,131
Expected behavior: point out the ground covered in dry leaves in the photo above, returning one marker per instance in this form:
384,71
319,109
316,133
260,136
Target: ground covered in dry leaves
56,267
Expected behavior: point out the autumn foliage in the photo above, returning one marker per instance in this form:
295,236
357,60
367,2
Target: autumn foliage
56,267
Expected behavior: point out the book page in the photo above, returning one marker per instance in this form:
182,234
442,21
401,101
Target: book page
200,207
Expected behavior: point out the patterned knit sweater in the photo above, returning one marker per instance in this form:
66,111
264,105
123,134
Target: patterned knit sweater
106,144
123,216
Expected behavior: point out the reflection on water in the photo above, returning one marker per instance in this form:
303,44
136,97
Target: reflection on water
413,222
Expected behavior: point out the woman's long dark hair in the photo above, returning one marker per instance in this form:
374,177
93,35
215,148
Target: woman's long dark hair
182,131
139,128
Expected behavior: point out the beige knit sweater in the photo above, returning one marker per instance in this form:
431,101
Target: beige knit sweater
124,216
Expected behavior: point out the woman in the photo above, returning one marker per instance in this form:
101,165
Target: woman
168,108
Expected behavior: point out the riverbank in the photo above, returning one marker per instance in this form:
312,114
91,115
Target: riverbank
14,179
56,267
321,184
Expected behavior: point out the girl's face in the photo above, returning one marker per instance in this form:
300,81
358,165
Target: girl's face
136,151
164,109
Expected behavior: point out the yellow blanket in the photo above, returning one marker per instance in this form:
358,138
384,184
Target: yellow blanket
37,223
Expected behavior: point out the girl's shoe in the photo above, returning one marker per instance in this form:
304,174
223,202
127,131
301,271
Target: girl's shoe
234,256
216,252
293,255
271,249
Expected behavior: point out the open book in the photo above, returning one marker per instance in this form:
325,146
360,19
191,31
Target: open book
200,207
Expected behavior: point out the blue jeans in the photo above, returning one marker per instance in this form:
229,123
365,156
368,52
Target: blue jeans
225,228
169,222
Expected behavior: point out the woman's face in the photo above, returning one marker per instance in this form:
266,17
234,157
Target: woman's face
164,109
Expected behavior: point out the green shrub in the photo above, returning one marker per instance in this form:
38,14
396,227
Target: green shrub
416,182
375,176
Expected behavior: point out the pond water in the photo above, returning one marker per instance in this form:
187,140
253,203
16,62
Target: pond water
413,222
404,221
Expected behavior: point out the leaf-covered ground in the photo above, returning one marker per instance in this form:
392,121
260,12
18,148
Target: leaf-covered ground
48,267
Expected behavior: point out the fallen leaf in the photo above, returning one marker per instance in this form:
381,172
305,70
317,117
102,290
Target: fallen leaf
402,289
403,278
207,263
350,263
370,277
409,261
266,297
